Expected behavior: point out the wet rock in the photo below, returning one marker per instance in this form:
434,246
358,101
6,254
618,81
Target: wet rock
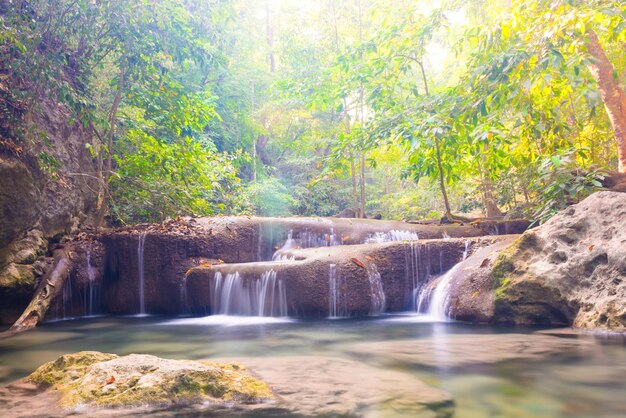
319,386
173,248
93,379
306,277
35,205
18,194
569,271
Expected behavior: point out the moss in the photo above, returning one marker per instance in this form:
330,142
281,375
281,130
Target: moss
527,241
66,367
81,380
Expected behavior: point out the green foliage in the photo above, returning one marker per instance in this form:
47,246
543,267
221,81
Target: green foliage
268,197
156,180
562,182
486,98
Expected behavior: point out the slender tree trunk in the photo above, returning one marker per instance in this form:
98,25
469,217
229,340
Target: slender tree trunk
489,201
362,209
442,183
104,203
612,94
254,140
269,34
355,196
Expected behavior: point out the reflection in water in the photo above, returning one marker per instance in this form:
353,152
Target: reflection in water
490,372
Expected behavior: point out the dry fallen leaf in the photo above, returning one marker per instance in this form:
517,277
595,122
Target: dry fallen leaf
358,262
110,380
591,247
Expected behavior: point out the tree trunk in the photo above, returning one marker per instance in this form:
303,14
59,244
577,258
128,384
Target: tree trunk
355,196
491,207
362,208
489,201
612,94
269,34
254,140
104,203
51,286
442,182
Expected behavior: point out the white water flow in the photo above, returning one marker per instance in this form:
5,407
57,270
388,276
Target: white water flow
393,235
91,298
141,267
185,308
337,301
263,296
439,300
378,299
282,254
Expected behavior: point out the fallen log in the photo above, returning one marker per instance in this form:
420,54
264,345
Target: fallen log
50,286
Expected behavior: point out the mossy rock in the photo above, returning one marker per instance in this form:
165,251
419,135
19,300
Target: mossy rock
67,366
106,380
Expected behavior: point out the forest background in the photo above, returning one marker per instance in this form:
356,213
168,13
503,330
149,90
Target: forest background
403,109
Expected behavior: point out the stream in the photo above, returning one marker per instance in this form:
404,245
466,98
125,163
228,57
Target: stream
490,372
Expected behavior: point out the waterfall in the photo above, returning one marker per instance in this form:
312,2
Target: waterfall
377,293
92,297
438,299
185,307
264,296
337,307
280,255
412,260
68,300
141,266
393,235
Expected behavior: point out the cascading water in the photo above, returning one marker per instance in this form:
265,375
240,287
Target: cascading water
282,253
185,308
92,297
68,300
141,266
412,261
377,293
337,307
264,296
393,235
438,298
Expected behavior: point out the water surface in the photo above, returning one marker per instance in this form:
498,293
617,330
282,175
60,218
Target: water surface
490,372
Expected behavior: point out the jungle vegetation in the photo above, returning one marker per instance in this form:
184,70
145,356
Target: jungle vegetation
407,109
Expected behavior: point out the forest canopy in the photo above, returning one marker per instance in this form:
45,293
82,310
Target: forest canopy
403,109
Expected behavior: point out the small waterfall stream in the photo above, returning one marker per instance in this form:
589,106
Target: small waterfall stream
141,268
337,301
393,235
263,296
438,298
185,307
377,293
92,297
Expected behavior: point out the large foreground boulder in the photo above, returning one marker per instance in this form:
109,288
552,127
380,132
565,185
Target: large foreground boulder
94,379
569,271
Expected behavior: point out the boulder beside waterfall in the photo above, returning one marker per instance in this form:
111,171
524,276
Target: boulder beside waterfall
569,271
